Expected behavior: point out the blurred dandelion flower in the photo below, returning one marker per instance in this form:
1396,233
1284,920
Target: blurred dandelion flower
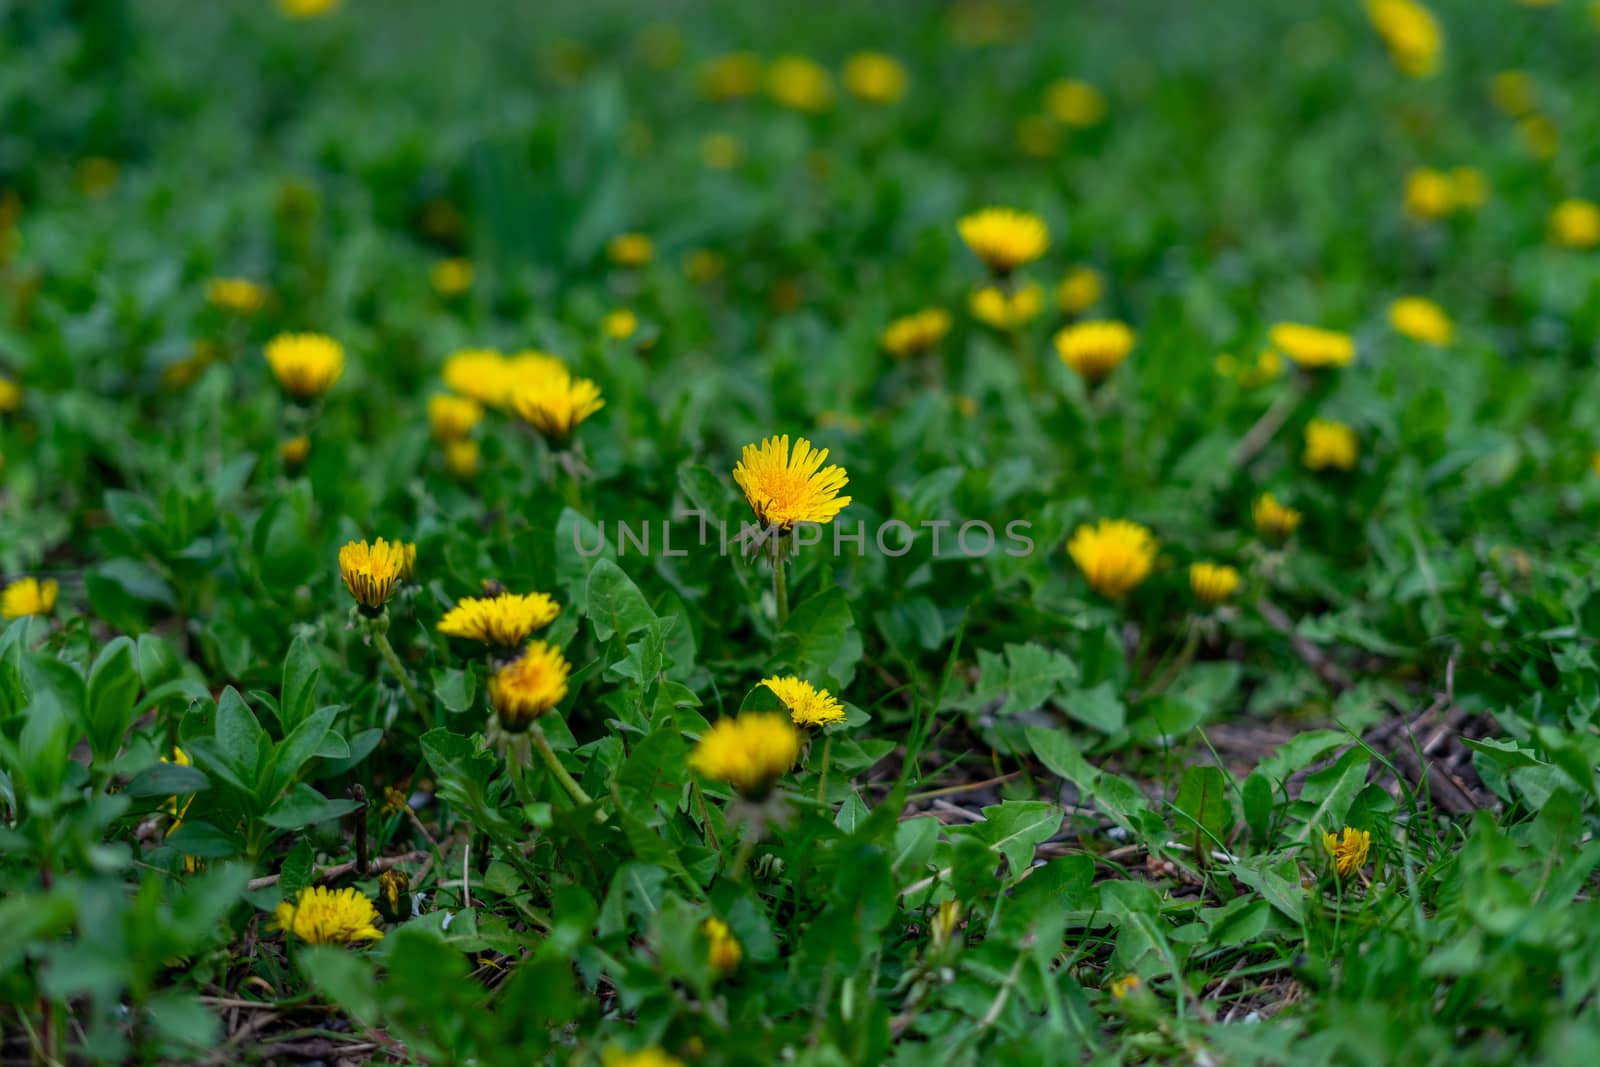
307,9
1115,555
1275,522
784,488
461,457
238,295
503,621
1539,135
294,451
305,364
732,76
452,417
1006,309
645,1057
555,405
451,277
322,916
808,705
480,373
750,752
370,572
1075,103
1094,349
1421,319
619,324
1330,446
630,249
1430,194
1313,347
1512,92
723,951
875,78
529,686
1411,34
1468,187
1212,583
1080,290
916,333
799,83
1004,238
1122,988
29,596
1576,224
10,396
1349,854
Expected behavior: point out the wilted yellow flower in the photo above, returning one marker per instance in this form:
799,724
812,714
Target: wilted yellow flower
1411,32
1330,445
504,621
1512,92
619,324
556,404
785,488
10,396
305,364
307,9
480,373
875,78
294,451
730,77
322,916
370,572
451,277
1274,521
808,705
1350,854
799,83
1004,238
720,151
1539,135
1115,555
452,417
1094,349
645,1057
1313,347
703,265
750,752
916,333
630,249
529,686
1122,987
1576,224
1212,583
1421,319
1430,194
1006,309
1468,187
1075,103
461,457
723,951
239,295
1080,290
29,596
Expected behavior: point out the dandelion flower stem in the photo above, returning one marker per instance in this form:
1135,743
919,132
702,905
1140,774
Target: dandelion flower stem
387,650
780,593
822,782
741,859
546,753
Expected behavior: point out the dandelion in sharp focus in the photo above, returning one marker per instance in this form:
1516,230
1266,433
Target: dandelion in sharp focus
808,705
370,572
784,488
503,621
322,916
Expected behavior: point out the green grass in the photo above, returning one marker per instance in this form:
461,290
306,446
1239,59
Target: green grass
1038,792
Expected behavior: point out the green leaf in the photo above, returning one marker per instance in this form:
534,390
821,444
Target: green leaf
651,779
304,806
1328,793
298,865
1099,708
1280,886
456,689
300,671
1016,828
113,688
1203,801
167,780
1034,677
615,604
821,640
240,739
1257,801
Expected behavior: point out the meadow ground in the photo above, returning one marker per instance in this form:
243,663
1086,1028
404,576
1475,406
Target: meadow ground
711,533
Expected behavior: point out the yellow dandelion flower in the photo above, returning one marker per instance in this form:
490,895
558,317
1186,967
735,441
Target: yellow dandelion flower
452,417
461,457
305,364
29,596
1430,194
1274,521
875,78
1539,136
1075,103
370,572
1575,224
1212,583
1512,92
238,295
620,324
630,249
1006,309
1115,555
723,951
294,451
480,373
1004,238
1347,855
10,396
721,151
785,488
1469,188
1080,290
451,277
750,752
1094,349
532,367
1122,988
322,916
645,1057
1421,319
1411,34
800,84
504,621
1313,347
555,404
731,77
1330,446
307,9
529,686
808,705
916,333
394,885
